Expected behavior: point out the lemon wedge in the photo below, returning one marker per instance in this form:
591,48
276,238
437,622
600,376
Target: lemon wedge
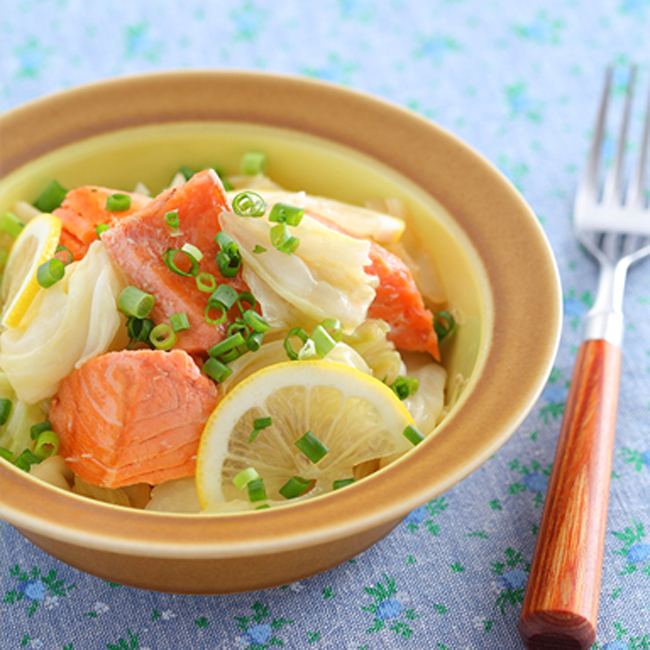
356,417
35,245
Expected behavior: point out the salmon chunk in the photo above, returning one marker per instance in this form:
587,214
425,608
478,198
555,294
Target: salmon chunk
83,209
137,245
133,417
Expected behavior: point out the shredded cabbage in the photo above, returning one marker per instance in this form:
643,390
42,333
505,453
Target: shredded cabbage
323,278
72,321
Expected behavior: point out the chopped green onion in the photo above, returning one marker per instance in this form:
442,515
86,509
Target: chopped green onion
412,435
206,282
264,506
118,202
101,228
237,325
244,477
223,313
289,214
341,483
172,219
138,330
47,444
301,334
252,163
169,259
51,197
179,322
334,328
403,387
50,272
443,324
255,321
230,356
246,297
192,250
226,345
312,447
259,424
228,258
135,302
36,429
186,171
11,224
26,459
254,341
5,410
216,370
322,340
249,204
224,296
256,490
64,249
259,249
6,454
283,240
294,487
163,337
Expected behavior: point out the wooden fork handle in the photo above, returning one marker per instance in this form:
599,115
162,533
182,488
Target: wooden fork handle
560,608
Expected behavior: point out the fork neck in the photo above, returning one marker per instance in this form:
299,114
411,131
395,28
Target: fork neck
605,319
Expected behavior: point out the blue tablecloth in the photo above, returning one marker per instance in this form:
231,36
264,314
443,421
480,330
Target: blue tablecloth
520,82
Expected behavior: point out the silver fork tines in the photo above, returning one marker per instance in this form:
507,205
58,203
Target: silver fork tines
614,225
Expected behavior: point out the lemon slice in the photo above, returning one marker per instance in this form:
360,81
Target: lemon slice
35,245
357,417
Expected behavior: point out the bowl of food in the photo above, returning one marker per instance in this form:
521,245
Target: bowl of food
250,322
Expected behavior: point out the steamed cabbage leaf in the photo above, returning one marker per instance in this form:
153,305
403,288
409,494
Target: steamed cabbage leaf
70,322
323,278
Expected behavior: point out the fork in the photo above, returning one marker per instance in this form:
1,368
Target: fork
560,609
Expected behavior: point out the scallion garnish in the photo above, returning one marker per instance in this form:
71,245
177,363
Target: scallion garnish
225,296
192,250
163,337
205,282
228,344
341,483
101,228
254,341
264,506
51,197
216,370
443,324
11,224
118,202
282,240
259,424
47,444
322,340
172,219
186,171
26,459
249,204
255,321
169,258
334,328
244,477
6,454
135,302
253,163
237,325
69,254
294,487
312,447
403,387
259,249
5,410
179,322
301,334
138,330
412,435
230,356
50,272
256,490
289,214
221,318
228,258
245,301
36,429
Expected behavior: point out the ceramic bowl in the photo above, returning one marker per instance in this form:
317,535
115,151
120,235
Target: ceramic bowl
490,252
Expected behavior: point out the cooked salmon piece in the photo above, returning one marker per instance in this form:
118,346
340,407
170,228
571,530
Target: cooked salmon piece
398,300
83,209
134,416
137,245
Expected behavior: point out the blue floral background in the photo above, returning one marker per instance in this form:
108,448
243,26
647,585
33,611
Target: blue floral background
520,82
